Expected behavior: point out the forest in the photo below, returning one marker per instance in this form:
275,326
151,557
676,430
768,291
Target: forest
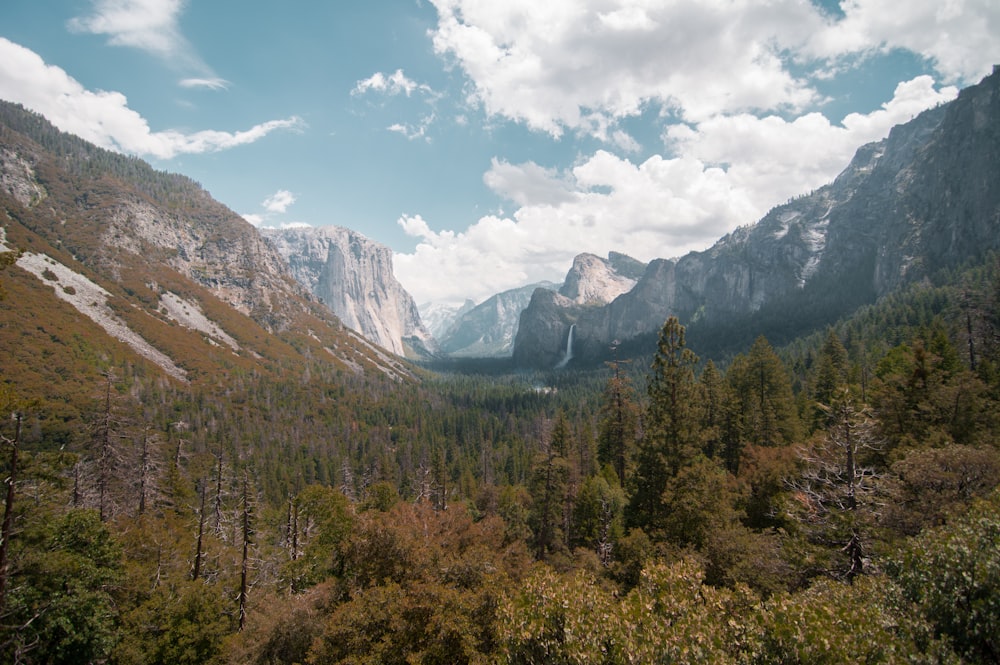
831,500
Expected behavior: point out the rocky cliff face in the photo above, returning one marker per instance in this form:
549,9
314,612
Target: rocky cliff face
596,281
488,329
353,277
923,199
157,264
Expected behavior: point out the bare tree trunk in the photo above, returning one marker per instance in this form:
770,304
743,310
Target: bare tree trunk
217,504
201,533
144,469
245,564
8,512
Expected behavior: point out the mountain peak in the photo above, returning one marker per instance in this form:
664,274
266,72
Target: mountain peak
596,281
352,276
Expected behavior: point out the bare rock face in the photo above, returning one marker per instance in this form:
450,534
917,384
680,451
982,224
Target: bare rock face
487,330
596,281
922,200
352,275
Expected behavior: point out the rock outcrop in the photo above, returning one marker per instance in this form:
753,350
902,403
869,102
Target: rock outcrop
923,199
352,276
488,329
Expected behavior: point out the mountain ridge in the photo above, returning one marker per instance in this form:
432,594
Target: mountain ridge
915,202
352,276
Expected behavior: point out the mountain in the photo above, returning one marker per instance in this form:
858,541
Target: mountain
596,281
438,317
922,200
352,275
122,261
487,330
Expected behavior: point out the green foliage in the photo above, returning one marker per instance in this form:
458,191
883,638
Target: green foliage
61,607
618,429
833,623
765,412
928,486
672,438
671,616
183,623
320,523
952,573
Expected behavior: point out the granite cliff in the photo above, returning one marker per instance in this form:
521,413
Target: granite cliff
352,276
923,199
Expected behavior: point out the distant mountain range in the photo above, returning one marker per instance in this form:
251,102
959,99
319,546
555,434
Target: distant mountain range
924,199
109,237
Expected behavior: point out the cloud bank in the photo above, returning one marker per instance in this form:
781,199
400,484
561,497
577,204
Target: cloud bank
104,117
733,84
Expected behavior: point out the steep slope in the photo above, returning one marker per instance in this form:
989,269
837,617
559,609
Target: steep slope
596,281
352,275
488,329
438,317
923,199
155,263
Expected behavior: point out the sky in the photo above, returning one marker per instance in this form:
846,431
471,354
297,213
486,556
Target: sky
488,143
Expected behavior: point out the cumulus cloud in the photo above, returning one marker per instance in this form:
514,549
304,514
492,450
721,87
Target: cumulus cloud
393,84
585,65
727,171
772,159
279,201
582,66
104,117
958,36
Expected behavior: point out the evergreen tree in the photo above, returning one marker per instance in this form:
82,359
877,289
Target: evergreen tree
549,489
618,429
764,400
673,436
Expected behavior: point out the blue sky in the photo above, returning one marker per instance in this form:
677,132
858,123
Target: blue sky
487,143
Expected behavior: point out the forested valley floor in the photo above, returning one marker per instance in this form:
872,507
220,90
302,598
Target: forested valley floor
830,501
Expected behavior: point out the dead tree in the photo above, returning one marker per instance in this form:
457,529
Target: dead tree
7,528
837,490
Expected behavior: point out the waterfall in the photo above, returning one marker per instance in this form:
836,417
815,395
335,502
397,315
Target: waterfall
568,354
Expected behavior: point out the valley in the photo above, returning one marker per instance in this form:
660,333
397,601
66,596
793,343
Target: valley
228,446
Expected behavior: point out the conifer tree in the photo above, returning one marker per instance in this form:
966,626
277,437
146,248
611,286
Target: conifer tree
619,426
548,489
765,402
672,438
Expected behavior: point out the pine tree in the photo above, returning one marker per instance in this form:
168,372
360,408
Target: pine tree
673,436
618,429
765,402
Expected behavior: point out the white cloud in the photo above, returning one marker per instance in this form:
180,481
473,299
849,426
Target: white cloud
152,26
413,132
584,65
528,184
104,117
253,218
958,36
210,83
279,201
728,171
771,159
393,84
